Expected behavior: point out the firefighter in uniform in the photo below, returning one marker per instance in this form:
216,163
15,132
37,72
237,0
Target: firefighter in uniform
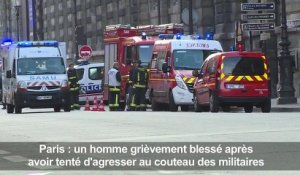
74,87
114,79
139,80
131,89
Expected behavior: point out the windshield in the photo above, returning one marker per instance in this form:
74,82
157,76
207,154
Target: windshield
190,59
243,66
145,52
38,66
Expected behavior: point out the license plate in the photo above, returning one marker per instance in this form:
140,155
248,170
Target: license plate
44,97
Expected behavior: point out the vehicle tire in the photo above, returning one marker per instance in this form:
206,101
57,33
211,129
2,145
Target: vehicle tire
56,109
248,108
185,108
18,109
155,106
266,106
10,108
67,108
225,108
213,102
172,106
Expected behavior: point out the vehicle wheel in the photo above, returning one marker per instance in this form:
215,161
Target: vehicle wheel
266,106
172,106
185,108
213,102
155,106
67,108
197,107
56,109
18,109
10,108
226,108
248,108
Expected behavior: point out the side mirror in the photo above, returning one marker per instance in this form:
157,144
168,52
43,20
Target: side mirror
8,74
165,68
195,73
128,62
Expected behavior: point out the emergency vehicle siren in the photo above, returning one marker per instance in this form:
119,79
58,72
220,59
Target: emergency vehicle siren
87,104
95,107
101,105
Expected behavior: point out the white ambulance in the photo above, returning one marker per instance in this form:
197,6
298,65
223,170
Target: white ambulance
173,60
90,77
34,75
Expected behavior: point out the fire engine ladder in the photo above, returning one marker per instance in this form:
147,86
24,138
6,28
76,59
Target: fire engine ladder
117,26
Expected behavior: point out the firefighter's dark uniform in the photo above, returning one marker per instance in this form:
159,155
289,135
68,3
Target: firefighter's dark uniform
139,80
114,84
131,89
74,88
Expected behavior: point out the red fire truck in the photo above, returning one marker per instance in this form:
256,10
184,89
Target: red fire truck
125,44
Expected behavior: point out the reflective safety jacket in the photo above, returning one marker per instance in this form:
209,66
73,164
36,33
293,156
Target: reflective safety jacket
73,80
140,77
114,77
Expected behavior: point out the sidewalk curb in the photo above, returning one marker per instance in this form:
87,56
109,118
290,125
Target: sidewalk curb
283,109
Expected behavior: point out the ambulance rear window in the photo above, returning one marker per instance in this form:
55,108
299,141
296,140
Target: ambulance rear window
243,66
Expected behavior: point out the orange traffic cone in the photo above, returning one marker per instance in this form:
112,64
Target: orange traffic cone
101,105
87,104
95,107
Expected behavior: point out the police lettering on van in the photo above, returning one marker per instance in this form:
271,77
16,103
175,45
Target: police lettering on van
90,77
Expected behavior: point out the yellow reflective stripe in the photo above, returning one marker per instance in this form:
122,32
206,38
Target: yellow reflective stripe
249,78
222,66
266,76
239,78
117,98
230,78
265,66
114,89
138,78
258,78
139,85
132,101
222,76
113,105
191,80
184,78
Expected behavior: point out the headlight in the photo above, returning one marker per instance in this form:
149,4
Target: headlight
235,86
64,83
22,84
180,83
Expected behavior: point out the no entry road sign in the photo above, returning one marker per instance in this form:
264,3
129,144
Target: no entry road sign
85,52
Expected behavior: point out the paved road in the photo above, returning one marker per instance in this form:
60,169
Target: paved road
81,126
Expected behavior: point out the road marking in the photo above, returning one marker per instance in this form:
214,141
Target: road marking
39,173
4,152
186,135
15,158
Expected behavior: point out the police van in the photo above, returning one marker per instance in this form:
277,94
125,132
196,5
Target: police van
90,77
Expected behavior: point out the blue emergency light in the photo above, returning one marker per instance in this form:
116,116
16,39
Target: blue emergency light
209,36
6,42
144,35
166,36
37,43
178,36
198,36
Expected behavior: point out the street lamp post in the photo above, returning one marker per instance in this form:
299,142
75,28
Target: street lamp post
17,8
286,85
76,32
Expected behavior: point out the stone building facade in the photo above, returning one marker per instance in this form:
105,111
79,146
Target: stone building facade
52,19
